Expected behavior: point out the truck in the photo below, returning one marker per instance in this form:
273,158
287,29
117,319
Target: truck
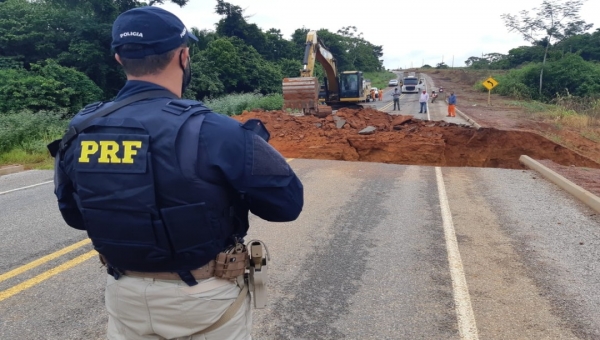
413,84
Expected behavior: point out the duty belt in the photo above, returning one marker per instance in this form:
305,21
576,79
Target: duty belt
204,272
228,265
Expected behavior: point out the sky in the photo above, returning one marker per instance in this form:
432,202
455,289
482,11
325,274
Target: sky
412,33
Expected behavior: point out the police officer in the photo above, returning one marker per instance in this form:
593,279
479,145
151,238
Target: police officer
163,185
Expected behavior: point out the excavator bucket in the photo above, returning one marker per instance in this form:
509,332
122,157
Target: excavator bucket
323,111
302,93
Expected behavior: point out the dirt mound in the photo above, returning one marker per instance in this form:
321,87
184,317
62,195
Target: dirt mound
374,136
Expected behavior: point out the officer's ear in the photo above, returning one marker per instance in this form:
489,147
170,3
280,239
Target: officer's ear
184,56
118,58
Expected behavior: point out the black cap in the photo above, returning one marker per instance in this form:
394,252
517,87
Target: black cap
159,30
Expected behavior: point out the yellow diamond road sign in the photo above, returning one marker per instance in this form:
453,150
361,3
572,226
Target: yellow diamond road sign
490,83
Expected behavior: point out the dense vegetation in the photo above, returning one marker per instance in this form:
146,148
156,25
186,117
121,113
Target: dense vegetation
55,54
55,57
562,60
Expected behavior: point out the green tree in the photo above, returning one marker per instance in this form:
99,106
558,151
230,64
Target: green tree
525,54
279,48
204,37
233,24
554,20
362,55
223,57
205,79
48,86
299,41
32,31
72,32
257,74
570,74
587,44
477,63
290,68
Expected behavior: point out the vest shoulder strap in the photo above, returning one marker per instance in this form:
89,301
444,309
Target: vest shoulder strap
180,106
74,130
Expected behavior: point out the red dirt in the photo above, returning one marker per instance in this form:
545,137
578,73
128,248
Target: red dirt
406,140
584,177
508,132
502,115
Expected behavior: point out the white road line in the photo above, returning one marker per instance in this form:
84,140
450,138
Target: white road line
27,187
464,312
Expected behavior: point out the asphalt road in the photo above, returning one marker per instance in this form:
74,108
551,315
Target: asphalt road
409,105
380,251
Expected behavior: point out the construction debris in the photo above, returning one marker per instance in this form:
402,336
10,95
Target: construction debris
406,140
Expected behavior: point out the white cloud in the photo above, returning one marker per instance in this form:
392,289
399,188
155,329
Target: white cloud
410,32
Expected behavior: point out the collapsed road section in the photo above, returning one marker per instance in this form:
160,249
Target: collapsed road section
374,136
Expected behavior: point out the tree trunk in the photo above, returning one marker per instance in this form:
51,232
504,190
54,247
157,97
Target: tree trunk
543,64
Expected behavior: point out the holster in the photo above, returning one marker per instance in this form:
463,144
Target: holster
257,275
232,263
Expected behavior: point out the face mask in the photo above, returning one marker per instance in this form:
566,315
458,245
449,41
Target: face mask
187,74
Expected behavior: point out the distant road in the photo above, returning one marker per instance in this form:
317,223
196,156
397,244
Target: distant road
409,105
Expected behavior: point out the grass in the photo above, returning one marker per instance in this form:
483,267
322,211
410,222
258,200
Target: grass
591,134
555,138
29,160
464,75
531,106
235,104
24,136
558,114
379,79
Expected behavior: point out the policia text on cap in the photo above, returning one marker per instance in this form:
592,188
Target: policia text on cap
163,186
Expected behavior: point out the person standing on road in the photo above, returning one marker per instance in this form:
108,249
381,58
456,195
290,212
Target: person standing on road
423,101
396,96
452,105
163,186
381,95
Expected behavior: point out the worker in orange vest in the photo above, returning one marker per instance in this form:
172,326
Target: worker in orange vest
381,95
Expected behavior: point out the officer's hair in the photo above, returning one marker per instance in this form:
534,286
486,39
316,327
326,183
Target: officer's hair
152,64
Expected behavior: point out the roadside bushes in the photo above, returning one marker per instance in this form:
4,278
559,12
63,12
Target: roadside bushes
570,75
30,131
235,104
48,86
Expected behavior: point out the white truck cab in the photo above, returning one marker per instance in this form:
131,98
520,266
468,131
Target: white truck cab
413,84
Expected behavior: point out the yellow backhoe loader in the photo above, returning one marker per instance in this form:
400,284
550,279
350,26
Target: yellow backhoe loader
345,88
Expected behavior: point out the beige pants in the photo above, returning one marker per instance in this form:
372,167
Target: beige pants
144,309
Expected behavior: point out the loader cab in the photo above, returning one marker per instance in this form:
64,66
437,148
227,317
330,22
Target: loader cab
351,85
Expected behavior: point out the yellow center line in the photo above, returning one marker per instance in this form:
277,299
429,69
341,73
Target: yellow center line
52,272
386,107
43,260
46,275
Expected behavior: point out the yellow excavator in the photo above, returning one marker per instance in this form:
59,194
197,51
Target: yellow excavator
340,89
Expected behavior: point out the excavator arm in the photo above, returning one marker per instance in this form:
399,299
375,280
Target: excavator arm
303,92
